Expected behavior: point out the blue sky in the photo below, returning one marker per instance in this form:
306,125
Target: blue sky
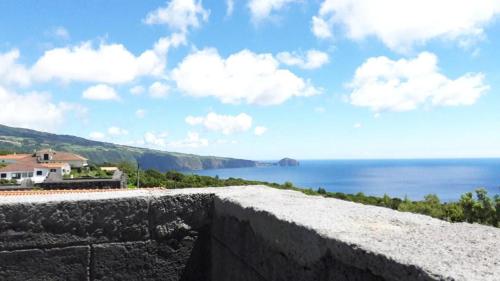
266,79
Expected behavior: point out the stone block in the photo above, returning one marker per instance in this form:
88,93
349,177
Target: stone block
70,263
58,224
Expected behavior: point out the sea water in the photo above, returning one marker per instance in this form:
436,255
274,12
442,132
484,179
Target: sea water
447,178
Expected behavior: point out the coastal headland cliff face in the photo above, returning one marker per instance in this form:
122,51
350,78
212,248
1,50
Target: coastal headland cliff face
234,233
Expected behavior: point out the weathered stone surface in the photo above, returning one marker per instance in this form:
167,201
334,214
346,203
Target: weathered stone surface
184,258
64,223
174,216
70,263
257,233
269,261
390,244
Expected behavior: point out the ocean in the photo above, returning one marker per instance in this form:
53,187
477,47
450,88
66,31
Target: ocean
448,178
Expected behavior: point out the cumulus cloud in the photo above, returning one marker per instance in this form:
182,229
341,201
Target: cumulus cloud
106,63
155,140
179,15
383,84
158,90
242,77
230,7
12,72
137,90
262,9
259,130
321,28
192,140
33,110
100,92
311,60
400,24
226,124
97,136
117,131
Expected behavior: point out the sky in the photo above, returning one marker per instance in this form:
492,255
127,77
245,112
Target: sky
258,79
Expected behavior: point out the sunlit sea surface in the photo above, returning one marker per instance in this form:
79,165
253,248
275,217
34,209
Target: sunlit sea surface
397,178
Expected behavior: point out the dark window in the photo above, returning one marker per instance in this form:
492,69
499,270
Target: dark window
3,176
30,175
39,173
53,170
16,176
46,157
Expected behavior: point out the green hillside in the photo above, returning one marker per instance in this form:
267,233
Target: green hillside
25,140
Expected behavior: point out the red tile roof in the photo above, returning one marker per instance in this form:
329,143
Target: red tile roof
25,165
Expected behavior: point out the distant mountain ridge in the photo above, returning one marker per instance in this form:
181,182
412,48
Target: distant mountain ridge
26,140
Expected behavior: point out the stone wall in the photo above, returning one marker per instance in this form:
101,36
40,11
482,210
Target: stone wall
236,233
138,238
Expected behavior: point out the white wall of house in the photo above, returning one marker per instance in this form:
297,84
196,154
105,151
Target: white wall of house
38,175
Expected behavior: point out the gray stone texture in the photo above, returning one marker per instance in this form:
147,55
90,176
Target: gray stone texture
235,233
69,263
57,224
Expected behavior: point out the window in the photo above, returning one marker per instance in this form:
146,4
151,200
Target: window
53,170
30,174
3,176
24,175
39,173
16,176
46,157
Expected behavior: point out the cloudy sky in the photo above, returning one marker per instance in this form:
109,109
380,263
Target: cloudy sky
258,79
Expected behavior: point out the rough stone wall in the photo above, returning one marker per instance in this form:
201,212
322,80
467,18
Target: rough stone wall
139,238
233,234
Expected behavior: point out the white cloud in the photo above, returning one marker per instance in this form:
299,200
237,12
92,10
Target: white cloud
61,32
179,15
137,90
158,90
321,28
262,9
383,84
358,125
230,7
33,110
155,140
311,60
11,72
100,92
140,113
401,24
108,63
117,131
242,77
193,140
227,124
97,136
260,130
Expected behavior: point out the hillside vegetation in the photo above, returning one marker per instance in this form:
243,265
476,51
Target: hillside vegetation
26,141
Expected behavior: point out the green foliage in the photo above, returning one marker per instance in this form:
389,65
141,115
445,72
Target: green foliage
8,182
92,171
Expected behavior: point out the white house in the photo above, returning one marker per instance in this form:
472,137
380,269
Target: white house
37,166
37,172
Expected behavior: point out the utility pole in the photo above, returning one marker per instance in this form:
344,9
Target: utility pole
138,169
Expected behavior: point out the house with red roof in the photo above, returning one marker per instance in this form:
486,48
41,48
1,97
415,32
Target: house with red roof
39,165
